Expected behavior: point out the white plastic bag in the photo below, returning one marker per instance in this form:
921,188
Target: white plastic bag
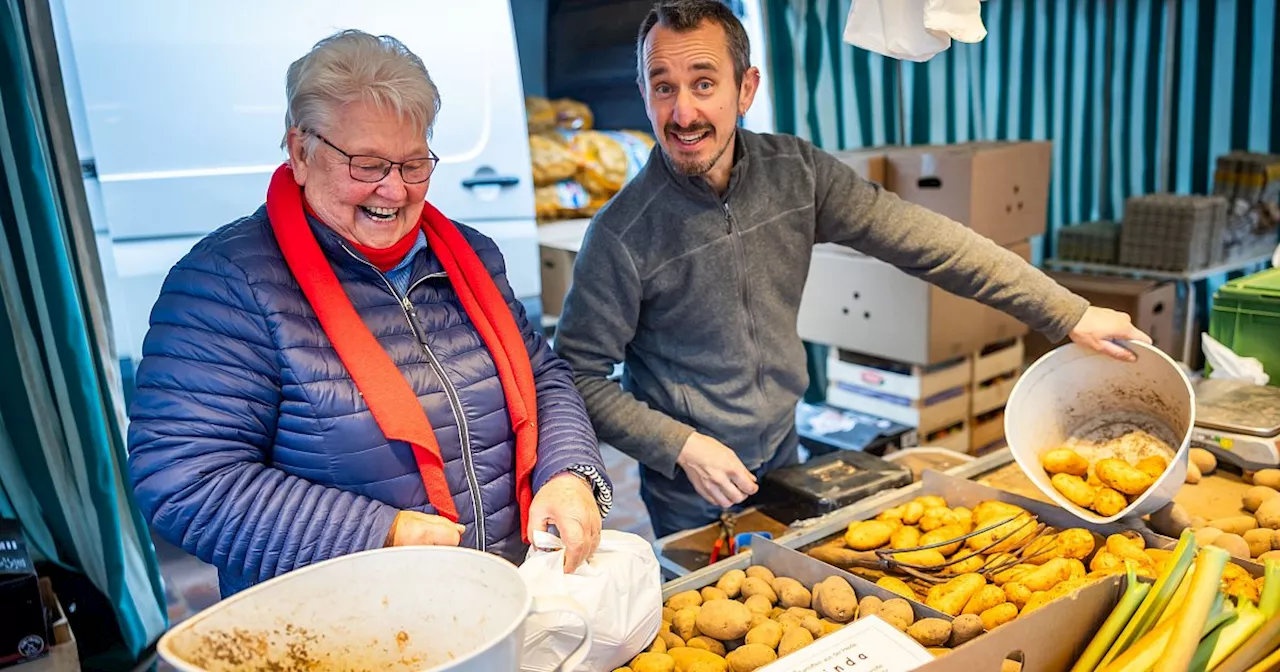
912,30
1227,365
1275,258
620,589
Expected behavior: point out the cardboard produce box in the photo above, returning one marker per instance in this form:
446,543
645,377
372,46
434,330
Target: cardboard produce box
558,245
1150,303
998,189
870,163
859,303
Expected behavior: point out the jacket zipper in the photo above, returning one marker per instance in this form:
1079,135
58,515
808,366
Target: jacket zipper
746,296
411,315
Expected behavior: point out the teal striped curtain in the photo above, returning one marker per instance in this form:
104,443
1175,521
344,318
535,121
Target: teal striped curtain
61,410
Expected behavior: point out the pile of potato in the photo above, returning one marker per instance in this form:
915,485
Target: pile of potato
750,619
1254,534
1036,571
1106,486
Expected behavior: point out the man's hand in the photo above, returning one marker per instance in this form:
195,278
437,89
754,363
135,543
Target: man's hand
1100,326
567,502
414,528
716,472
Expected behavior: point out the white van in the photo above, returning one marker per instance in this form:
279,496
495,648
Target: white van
177,108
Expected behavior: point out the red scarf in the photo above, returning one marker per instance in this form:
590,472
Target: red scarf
393,403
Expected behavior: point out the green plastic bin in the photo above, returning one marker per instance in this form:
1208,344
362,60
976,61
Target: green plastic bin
1246,318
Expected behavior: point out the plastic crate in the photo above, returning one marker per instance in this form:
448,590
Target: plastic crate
1246,318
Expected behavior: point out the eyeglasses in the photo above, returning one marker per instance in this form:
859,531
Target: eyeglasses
374,168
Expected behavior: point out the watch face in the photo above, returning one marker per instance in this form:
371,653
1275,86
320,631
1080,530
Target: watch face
31,646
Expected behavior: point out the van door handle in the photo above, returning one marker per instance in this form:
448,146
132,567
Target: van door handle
490,181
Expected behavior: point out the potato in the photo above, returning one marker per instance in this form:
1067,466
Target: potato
1269,555
776,612
1077,568
1171,520
1074,489
829,627
688,659
993,510
1153,465
894,513
1047,575
1127,548
944,533
905,537
653,662
898,613
926,558
1235,524
668,614
868,606
998,615
1275,540
793,640
1256,495
934,518
710,593
1193,474
1241,588
1122,476
1198,522
912,513
1267,477
950,597
1036,601
750,657
1064,461
803,612
868,535
930,631
963,629
838,602
707,644
1109,502
685,624
689,598
1017,593
813,625
1011,534
900,587
759,604
987,597
723,619
1206,535
970,563
1011,574
1268,515
756,586
1042,550
1075,543
731,583
658,645
791,593
1105,560
671,639
1233,544
1204,460
931,501
768,633
1259,541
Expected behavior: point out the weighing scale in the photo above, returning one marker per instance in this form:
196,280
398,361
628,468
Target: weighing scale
1238,422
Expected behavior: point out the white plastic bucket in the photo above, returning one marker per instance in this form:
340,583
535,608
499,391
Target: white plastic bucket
1074,391
408,609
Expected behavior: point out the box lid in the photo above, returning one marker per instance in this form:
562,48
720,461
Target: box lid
1262,285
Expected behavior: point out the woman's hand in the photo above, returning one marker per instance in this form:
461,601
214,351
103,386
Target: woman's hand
414,528
567,502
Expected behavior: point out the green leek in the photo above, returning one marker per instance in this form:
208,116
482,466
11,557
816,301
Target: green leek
1135,592
1158,598
1271,662
1269,603
1190,625
1228,637
1148,650
1179,596
1262,644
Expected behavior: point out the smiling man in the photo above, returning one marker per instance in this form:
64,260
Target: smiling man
692,276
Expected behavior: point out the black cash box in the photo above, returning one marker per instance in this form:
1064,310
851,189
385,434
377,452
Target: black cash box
827,483
24,630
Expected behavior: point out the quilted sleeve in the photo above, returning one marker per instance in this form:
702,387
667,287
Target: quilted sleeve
202,424
565,437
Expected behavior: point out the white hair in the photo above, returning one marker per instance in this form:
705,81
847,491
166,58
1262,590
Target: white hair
354,66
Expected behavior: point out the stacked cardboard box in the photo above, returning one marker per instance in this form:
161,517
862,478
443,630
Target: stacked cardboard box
1173,232
1151,304
996,369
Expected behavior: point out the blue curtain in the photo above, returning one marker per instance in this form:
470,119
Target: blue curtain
61,411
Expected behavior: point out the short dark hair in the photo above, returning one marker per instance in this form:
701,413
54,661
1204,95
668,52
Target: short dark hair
685,15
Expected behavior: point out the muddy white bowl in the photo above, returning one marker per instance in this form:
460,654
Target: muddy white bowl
403,609
1075,392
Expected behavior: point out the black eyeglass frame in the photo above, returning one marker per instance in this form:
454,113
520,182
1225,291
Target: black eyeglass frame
383,166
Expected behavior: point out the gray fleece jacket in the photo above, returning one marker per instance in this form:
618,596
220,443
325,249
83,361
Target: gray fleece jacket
698,295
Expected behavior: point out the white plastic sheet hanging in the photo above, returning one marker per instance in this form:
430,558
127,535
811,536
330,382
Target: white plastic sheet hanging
913,30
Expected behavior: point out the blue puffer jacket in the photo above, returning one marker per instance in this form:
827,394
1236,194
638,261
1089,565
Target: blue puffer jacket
250,447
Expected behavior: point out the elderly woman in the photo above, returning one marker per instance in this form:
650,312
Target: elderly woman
346,368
